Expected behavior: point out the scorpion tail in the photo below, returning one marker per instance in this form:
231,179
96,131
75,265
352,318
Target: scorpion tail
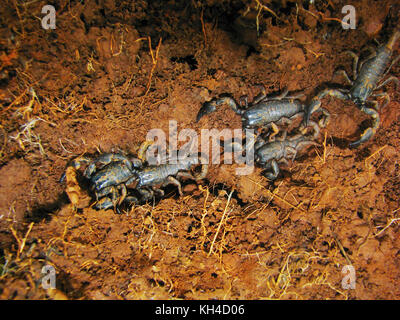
312,107
212,105
204,168
207,108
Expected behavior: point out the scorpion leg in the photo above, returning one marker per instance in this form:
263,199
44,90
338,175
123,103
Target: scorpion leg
325,119
315,104
345,75
175,182
141,154
316,129
259,143
355,65
104,204
304,144
291,151
284,161
104,191
186,175
206,108
198,176
131,200
107,202
261,96
160,192
146,194
275,128
275,131
282,95
294,97
204,168
372,55
386,97
391,65
368,134
390,79
123,194
244,100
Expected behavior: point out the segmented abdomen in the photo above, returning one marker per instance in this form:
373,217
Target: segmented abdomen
112,174
370,74
154,175
272,150
270,111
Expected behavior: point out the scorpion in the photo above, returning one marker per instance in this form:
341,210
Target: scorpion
118,172
268,154
367,77
150,177
264,111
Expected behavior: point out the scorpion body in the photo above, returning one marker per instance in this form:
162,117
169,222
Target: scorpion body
272,111
366,79
152,176
264,111
269,154
117,174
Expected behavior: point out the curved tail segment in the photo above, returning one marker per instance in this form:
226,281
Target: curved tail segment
211,106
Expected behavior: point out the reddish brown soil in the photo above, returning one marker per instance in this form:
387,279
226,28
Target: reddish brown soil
84,87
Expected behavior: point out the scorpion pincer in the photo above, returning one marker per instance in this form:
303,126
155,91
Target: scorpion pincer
366,79
264,111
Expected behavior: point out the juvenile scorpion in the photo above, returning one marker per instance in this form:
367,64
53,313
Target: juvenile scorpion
264,111
268,154
366,79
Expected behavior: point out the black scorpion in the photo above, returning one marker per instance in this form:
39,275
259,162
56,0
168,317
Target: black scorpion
268,154
366,78
152,176
264,111
117,174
